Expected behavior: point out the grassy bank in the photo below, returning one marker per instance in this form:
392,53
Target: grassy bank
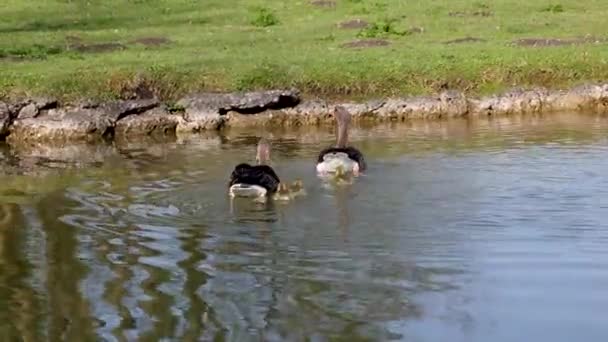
105,48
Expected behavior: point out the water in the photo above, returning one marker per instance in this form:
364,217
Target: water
459,231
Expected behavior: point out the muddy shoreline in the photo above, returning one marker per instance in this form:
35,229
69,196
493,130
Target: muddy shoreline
45,120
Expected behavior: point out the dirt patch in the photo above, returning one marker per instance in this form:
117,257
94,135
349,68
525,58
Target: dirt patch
13,59
99,47
152,41
73,39
465,40
130,89
481,13
415,29
547,42
323,3
365,43
353,24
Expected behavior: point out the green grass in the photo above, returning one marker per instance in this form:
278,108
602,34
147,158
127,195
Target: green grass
264,18
254,44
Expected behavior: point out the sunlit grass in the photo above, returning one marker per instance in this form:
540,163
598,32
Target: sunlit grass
244,45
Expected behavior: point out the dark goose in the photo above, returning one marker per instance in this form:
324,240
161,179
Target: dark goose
254,180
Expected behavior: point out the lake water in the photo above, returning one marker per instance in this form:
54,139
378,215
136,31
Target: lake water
459,231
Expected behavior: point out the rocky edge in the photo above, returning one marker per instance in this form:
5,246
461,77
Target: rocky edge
47,120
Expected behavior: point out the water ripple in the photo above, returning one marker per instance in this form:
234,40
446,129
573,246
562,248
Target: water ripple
460,231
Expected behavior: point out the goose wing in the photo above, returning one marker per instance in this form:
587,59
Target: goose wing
261,175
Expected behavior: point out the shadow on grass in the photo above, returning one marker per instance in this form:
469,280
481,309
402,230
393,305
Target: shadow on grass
99,23
35,51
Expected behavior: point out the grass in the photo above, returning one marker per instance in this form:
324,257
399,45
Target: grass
554,8
264,17
381,29
254,44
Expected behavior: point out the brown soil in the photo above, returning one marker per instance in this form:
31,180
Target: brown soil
152,41
353,24
545,42
323,3
413,30
366,43
482,13
98,47
465,40
73,39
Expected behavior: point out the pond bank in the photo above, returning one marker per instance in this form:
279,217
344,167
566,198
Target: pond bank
45,120
380,141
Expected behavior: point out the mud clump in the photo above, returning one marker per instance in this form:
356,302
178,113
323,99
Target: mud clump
465,40
415,30
152,41
548,42
76,43
323,3
365,43
353,24
480,13
98,47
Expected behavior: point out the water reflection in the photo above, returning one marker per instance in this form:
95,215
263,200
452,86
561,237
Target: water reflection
71,316
16,293
460,230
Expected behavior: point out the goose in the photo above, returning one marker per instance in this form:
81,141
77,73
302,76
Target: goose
255,181
260,181
287,192
341,159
